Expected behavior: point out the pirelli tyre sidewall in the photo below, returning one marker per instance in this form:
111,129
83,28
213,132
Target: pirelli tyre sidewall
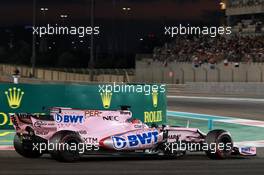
215,137
62,154
25,147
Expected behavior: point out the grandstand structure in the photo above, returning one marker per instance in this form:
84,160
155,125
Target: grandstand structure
245,16
246,44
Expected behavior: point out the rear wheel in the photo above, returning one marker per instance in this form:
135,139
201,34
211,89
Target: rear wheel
25,147
65,145
220,144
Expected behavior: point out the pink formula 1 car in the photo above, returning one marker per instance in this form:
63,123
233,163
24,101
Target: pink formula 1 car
68,133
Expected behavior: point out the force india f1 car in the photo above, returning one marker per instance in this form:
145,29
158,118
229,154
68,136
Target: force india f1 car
114,133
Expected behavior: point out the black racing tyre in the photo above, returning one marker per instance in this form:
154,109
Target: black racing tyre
61,152
25,147
220,144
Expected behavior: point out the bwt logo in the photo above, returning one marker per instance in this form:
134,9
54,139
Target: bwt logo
135,140
69,118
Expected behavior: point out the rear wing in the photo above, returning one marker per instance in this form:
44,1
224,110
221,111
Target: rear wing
33,124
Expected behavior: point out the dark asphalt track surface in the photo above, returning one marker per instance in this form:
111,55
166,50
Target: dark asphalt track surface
13,164
240,109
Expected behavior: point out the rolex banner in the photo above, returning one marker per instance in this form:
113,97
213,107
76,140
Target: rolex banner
148,102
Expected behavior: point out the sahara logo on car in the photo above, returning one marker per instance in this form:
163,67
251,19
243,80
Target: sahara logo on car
135,140
40,124
69,118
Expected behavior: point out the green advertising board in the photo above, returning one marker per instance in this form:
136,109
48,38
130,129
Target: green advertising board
148,102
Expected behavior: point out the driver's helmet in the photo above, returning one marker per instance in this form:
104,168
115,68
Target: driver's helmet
136,121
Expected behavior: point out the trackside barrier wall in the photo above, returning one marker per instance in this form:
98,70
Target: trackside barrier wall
179,73
100,75
256,89
31,98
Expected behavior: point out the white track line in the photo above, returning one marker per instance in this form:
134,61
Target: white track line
218,98
245,122
223,119
257,143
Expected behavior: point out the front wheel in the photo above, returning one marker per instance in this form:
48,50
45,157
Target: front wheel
219,143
